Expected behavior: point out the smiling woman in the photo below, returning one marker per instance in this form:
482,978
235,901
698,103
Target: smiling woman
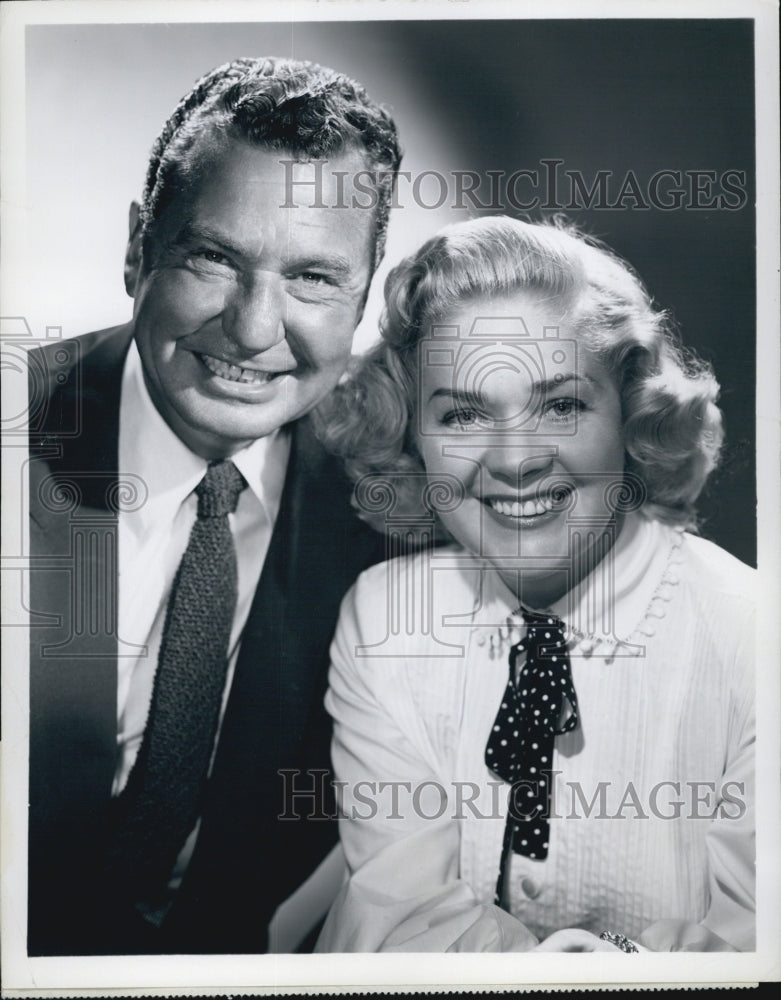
530,450
580,637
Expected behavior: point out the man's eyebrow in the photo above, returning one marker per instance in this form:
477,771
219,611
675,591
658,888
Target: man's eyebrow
336,264
191,233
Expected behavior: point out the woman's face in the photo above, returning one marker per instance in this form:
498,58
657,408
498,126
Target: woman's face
513,406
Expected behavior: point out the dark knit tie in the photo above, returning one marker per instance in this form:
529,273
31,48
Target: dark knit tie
161,801
538,704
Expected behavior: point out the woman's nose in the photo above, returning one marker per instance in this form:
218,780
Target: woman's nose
516,459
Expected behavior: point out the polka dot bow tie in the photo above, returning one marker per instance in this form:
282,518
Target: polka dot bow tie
538,704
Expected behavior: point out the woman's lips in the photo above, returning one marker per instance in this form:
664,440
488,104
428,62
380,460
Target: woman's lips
533,507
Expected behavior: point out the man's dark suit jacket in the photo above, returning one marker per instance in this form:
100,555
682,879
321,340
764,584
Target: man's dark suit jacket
246,860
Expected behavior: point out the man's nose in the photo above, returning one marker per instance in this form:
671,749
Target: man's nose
519,458
254,316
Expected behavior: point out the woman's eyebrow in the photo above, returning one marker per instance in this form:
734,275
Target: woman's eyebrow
544,386
541,387
457,395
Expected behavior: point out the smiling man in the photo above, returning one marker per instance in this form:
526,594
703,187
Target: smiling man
245,308
191,541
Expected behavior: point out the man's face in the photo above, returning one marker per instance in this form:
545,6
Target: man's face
245,312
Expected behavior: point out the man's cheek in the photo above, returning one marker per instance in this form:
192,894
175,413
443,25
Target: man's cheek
183,299
327,348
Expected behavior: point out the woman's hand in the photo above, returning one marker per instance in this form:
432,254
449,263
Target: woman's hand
574,939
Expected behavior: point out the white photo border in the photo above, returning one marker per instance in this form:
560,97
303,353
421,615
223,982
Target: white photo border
267,974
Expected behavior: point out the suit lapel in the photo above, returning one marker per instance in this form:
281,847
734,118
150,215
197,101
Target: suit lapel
275,719
272,688
73,599
317,549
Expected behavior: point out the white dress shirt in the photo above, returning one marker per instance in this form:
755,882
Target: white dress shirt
664,675
153,534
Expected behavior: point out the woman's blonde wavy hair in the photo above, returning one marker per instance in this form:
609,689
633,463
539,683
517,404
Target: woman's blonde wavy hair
672,426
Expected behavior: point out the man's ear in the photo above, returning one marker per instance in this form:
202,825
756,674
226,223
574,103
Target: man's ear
133,258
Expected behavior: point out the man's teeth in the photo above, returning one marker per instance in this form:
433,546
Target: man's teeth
233,373
529,508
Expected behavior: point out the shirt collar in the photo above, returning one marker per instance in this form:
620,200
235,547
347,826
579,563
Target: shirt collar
148,448
630,585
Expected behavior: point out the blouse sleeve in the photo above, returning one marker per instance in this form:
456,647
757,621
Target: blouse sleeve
404,892
731,840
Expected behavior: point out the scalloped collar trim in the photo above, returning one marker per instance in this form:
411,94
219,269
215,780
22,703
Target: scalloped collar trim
642,580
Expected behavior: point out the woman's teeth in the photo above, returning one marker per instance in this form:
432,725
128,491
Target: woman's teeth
529,508
233,373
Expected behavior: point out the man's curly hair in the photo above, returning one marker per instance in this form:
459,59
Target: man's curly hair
297,107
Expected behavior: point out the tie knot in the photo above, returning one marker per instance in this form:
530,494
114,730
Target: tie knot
218,491
541,621
545,633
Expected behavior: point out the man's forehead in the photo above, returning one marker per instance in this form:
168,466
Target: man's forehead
242,195
305,179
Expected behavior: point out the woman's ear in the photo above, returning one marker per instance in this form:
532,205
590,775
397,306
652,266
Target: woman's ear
133,252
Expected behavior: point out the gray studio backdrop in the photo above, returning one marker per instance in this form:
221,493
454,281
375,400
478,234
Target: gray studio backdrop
641,131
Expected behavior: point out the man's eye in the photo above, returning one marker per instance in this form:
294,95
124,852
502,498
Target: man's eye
210,256
314,278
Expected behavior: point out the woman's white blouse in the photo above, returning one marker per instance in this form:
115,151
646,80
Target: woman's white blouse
653,791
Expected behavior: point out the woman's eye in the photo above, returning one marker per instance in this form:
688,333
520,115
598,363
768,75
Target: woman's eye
563,408
460,418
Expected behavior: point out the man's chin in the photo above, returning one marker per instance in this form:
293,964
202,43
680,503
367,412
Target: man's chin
216,435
